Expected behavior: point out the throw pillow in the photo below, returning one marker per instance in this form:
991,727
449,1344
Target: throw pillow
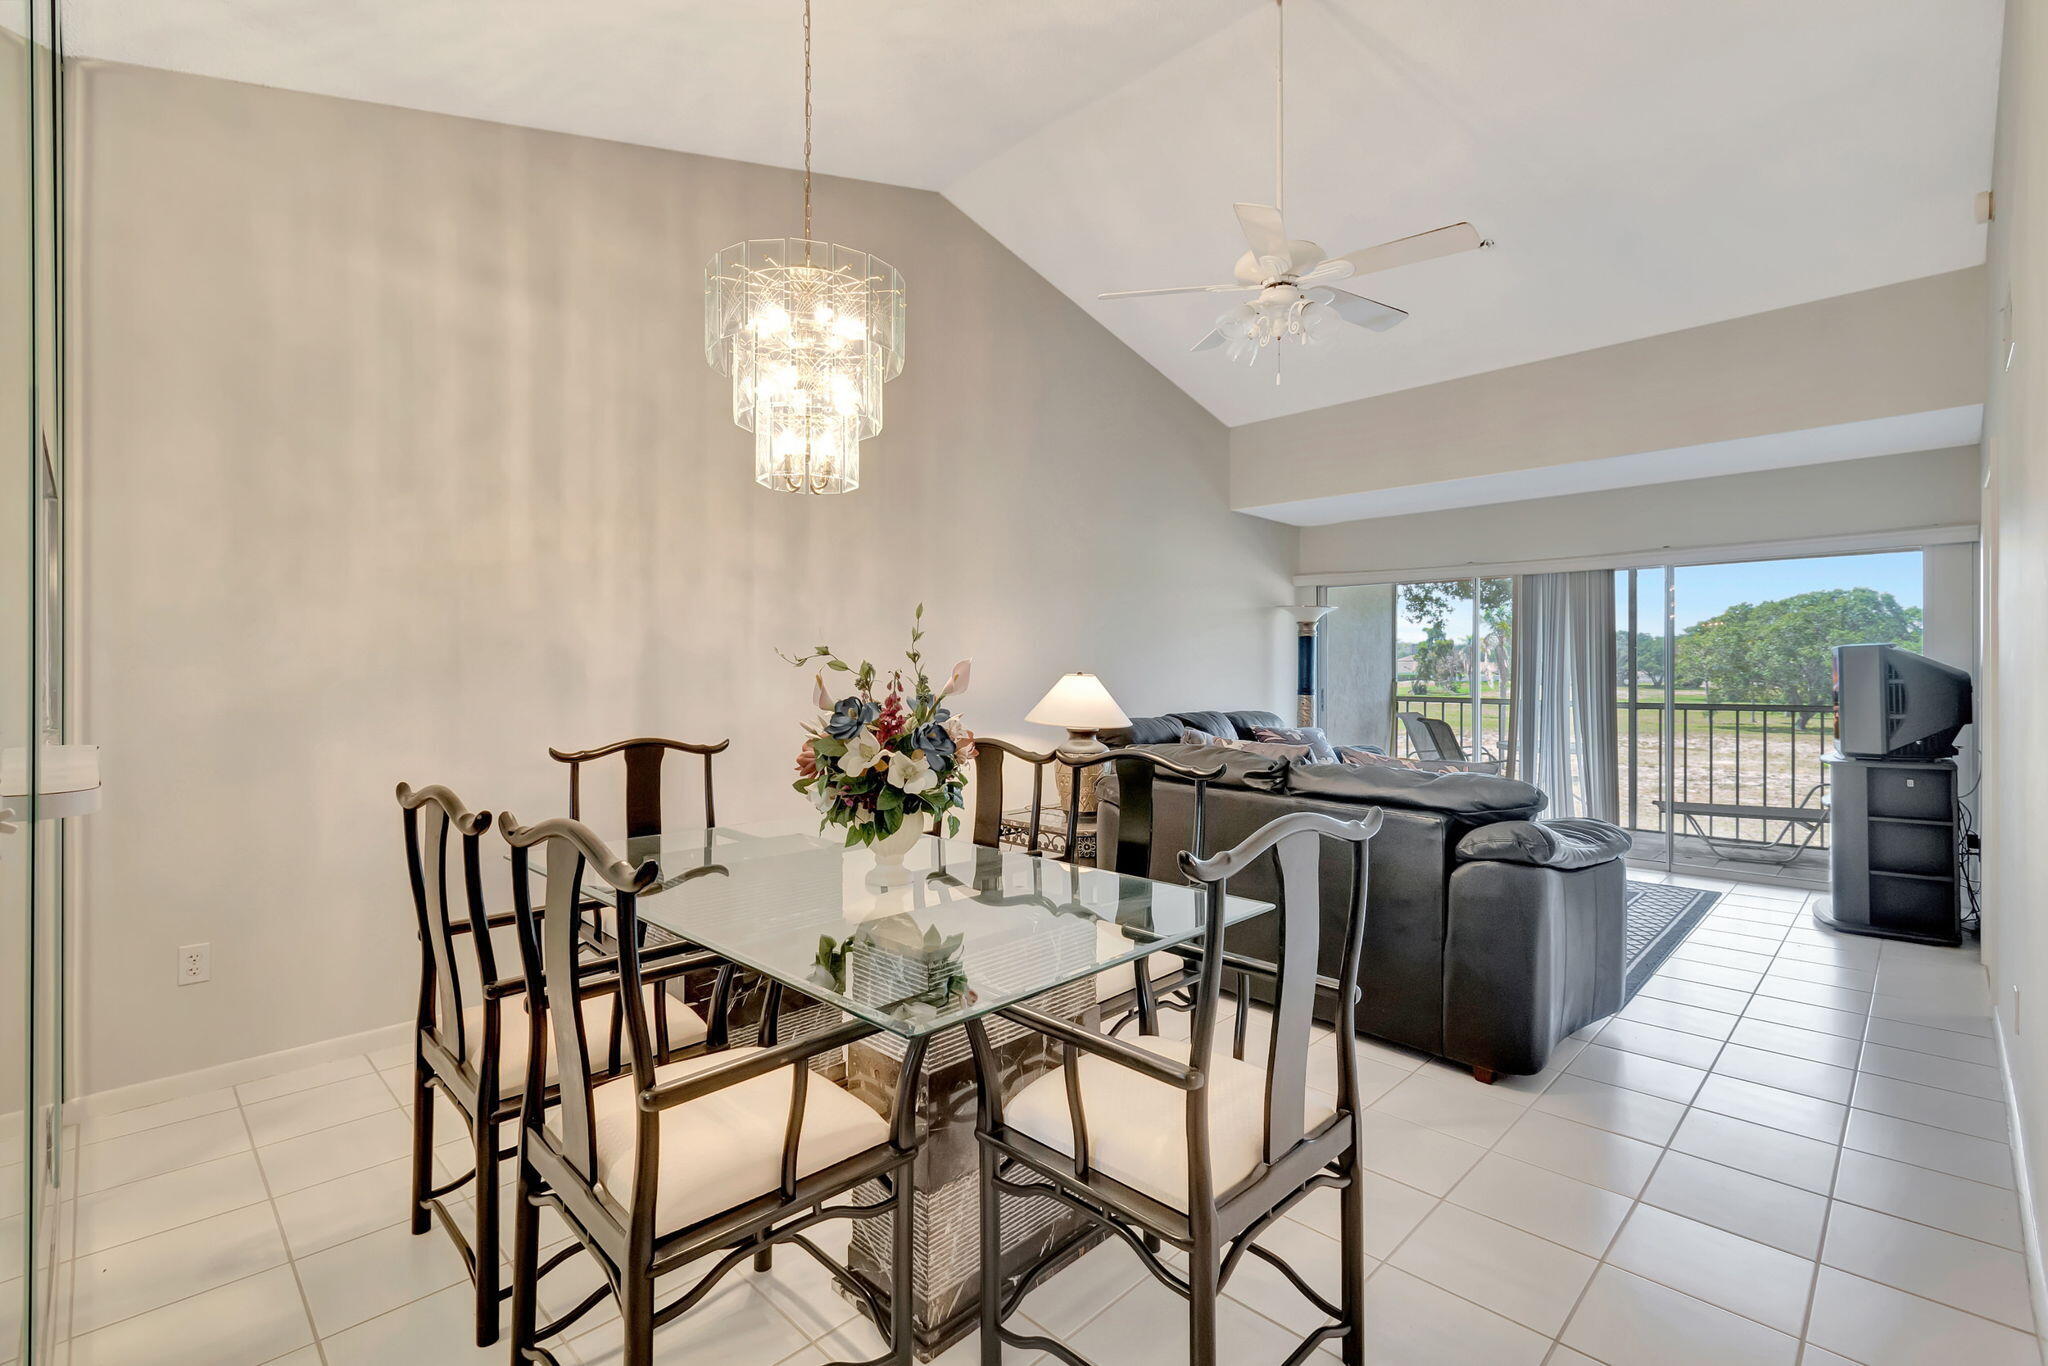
1293,754
1317,742
1353,755
1191,736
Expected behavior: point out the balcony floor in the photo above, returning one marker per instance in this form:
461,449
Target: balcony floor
1808,872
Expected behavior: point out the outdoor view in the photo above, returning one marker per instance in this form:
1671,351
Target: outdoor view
1750,683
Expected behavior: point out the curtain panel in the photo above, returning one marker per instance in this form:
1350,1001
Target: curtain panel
1564,690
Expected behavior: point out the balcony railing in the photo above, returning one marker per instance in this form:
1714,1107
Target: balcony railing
1458,711
1727,753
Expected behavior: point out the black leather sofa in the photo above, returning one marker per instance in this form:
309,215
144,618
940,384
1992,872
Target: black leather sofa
1490,935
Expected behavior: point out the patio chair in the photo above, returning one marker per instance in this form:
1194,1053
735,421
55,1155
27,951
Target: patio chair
1810,816
1435,741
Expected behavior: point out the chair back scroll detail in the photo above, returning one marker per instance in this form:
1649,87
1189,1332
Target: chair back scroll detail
550,944
643,758
430,813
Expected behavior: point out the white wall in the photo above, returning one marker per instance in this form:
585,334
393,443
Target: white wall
2013,717
1905,349
400,460
1893,493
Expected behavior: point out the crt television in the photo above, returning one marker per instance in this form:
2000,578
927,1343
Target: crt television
1893,704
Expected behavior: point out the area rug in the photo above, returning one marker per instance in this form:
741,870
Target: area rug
1659,918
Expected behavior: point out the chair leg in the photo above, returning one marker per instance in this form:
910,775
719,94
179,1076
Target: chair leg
1352,1260
636,1315
525,1265
902,1268
1485,1076
422,1146
991,1262
485,1243
1203,1270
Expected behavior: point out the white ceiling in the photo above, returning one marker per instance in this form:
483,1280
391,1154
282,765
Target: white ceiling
1644,165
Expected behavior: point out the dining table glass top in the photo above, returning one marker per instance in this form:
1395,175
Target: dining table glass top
962,930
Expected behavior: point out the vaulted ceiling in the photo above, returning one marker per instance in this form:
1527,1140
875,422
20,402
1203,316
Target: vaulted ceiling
1643,165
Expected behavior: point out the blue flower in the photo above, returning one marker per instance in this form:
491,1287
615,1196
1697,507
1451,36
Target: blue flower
937,745
849,716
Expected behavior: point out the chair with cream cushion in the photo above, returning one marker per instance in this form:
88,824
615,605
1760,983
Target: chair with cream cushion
1178,1142
475,1055
1156,975
716,1158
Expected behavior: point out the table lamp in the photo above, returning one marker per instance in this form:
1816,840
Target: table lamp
1080,705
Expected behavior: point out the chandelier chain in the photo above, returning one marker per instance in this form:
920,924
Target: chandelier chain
807,120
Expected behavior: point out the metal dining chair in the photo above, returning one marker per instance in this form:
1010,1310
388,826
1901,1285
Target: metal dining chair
470,1052
716,1159
642,759
1163,1141
1136,771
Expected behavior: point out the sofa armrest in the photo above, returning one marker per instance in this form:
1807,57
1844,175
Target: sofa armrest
1566,843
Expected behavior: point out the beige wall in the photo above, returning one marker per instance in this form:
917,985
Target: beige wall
2014,717
401,460
1901,493
1904,349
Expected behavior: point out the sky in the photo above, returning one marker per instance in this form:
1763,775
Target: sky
1707,590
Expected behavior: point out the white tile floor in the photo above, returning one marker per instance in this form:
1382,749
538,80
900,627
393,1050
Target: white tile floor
1789,1148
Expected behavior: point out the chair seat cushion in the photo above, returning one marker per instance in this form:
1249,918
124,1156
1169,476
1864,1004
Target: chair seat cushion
722,1150
685,1026
1137,1127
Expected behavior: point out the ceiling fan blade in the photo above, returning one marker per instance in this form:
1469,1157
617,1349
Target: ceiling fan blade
1208,343
1368,313
1178,289
1403,251
1268,238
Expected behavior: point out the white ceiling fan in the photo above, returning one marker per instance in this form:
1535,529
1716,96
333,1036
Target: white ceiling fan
1290,278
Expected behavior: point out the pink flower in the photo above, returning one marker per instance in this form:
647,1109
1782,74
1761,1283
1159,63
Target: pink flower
820,698
807,762
893,719
956,682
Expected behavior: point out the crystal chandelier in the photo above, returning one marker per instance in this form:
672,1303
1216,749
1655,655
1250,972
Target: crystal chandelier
809,333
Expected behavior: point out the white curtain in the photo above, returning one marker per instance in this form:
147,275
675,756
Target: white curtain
1564,690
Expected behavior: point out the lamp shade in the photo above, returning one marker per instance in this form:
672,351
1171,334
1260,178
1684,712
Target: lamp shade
1078,702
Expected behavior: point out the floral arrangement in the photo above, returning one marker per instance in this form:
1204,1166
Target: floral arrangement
888,753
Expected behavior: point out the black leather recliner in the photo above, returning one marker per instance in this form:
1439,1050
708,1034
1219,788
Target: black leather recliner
1490,935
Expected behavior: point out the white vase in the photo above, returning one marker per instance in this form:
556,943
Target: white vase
891,850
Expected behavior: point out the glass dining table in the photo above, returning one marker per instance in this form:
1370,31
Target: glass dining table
959,932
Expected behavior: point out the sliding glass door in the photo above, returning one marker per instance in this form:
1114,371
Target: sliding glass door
1436,648
32,1166
1725,699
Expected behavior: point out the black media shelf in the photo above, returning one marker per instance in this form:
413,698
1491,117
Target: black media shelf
1892,850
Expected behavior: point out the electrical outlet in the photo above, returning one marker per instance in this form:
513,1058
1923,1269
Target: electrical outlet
195,964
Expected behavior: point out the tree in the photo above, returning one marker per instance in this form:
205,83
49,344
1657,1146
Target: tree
1433,604
1437,659
1779,652
1649,658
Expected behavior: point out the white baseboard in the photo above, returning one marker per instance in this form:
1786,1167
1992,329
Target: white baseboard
234,1073
2030,1227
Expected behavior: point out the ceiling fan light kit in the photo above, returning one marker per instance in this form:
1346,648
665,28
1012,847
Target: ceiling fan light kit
809,332
1289,278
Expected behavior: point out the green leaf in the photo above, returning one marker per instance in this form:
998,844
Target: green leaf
828,747
838,664
952,826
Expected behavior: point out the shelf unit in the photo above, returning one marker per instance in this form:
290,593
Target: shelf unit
1894,844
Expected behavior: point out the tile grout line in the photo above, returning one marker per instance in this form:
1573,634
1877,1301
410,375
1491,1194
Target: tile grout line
284,1241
